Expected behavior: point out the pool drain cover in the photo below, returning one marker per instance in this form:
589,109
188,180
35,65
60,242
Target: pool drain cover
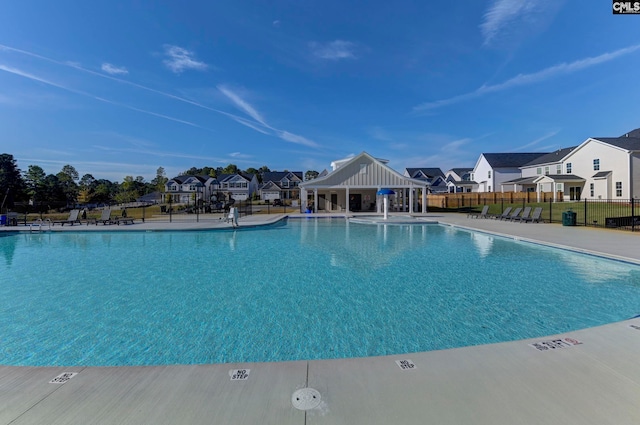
305,399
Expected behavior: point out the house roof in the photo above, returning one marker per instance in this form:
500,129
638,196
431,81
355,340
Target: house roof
521,180
552,157
277,176
628,143
601,174
184,178
511,160
561,177
419,173
376,174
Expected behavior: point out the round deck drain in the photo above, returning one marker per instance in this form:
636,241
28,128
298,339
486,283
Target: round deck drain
305,399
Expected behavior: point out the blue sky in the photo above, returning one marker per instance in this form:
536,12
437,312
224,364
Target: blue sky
121,88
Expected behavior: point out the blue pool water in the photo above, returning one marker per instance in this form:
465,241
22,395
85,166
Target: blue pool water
309,289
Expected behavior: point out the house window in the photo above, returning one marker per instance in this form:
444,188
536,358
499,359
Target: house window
618,188
363,168
559,187
596,165
568,168
546,171
591,189
489,188
538,170
173,188
472,177
489,174
559,169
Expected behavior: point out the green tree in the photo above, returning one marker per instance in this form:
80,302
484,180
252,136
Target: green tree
67,178
34,179
159,180
230,169
12,186
86,187
310,175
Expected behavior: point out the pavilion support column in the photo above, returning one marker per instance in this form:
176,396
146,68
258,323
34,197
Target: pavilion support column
315,200
411,189
346,201
424,200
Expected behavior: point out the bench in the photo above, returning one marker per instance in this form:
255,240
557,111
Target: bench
622,221
124,220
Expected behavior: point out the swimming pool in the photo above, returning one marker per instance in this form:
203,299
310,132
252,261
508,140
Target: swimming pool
309,289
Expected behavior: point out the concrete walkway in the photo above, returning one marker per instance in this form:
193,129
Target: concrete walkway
590,376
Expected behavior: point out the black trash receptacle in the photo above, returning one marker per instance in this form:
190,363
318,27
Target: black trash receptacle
569,218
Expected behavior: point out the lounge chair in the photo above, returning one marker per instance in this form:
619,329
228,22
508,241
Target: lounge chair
123,220
535,217
73,218
525,214
513,215
105,217
481,214
504,214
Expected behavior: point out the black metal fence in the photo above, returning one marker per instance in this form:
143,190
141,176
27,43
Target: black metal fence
621,214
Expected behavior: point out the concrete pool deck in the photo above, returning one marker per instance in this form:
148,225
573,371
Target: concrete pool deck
589,376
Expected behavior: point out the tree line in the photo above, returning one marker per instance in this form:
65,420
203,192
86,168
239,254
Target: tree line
44,192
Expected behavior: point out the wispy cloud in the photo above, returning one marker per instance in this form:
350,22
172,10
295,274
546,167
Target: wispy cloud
537,141
242,104
114,70
509,20
526,79
335,50
29,76
258,123
179,59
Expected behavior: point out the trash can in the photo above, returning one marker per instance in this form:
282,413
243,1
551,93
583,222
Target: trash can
3,220
569,218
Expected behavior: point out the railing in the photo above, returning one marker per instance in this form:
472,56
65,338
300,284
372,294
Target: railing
623,214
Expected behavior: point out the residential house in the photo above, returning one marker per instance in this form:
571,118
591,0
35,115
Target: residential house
239,186
548,165
434,176
493,169
459,180
610,167
186,189
354,183
280,185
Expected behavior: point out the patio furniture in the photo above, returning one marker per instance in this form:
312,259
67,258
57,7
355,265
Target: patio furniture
72,219
482,214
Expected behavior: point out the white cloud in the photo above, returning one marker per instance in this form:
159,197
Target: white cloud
114,70
535,77
259,123
242,104
180,59
537,141
507,21
335,50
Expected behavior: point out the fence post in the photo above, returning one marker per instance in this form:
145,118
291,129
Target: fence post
585,211
633,215
550,208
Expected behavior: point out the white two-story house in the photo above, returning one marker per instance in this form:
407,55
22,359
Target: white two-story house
610,166
493,169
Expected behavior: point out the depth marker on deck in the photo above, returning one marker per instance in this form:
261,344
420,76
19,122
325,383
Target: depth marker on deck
63,378
555,344
406,364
